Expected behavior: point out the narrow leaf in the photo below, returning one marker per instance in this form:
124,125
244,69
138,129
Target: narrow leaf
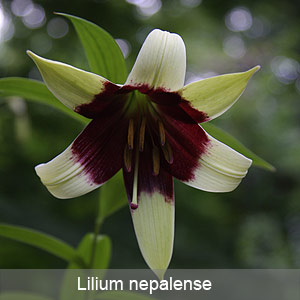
112,196
103,53
232,142
23,296
40,240
101,253
35,91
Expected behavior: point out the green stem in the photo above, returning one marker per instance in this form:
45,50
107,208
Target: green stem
98,223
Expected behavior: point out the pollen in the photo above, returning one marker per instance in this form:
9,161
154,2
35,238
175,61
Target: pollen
142,134
131,134
168,154
156,160
127,158
146,131
162,134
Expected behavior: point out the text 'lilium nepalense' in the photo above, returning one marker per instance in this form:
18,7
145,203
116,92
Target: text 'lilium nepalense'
147,127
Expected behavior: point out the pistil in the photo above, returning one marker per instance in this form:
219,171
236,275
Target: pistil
134,201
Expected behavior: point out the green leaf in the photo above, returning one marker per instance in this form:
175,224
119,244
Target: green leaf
124,295
22,296
112,196
103,53
42,241
96,254
232,142
101,251
35,91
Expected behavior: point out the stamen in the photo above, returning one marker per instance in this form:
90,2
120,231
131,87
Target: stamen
156,161
131,134
161,132
134,201
127,158
168,154
142,134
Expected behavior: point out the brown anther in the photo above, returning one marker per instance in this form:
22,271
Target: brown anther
162,133
127,158
142,134
131,134
156,160
168,154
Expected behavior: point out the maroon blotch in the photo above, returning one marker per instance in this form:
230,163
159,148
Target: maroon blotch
99,148
197,115
187,140
100,102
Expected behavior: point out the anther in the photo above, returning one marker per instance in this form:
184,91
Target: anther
131,134
168,154
156,161
162,134
127,158
142,134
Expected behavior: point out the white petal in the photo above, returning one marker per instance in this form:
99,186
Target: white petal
154,227
221,168
215,95
161,62
64,177
72,86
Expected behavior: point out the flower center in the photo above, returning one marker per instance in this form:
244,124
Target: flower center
145,129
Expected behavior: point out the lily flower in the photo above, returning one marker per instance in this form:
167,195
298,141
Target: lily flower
149,128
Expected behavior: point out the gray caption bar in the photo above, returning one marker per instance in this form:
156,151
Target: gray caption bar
142,284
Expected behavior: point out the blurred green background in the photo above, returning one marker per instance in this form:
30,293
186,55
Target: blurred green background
257,225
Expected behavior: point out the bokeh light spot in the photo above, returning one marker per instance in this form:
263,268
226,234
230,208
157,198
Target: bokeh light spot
57,28
285,69
36,17
124,46
7,28
21,8
260,27
146,8
234,46
238,19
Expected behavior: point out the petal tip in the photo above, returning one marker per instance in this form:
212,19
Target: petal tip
254,69
30,53
37,169
33,56
160,274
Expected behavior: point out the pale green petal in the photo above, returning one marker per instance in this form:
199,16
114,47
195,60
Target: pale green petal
154,227
215,95
64,177
161,62
70,85
221,168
